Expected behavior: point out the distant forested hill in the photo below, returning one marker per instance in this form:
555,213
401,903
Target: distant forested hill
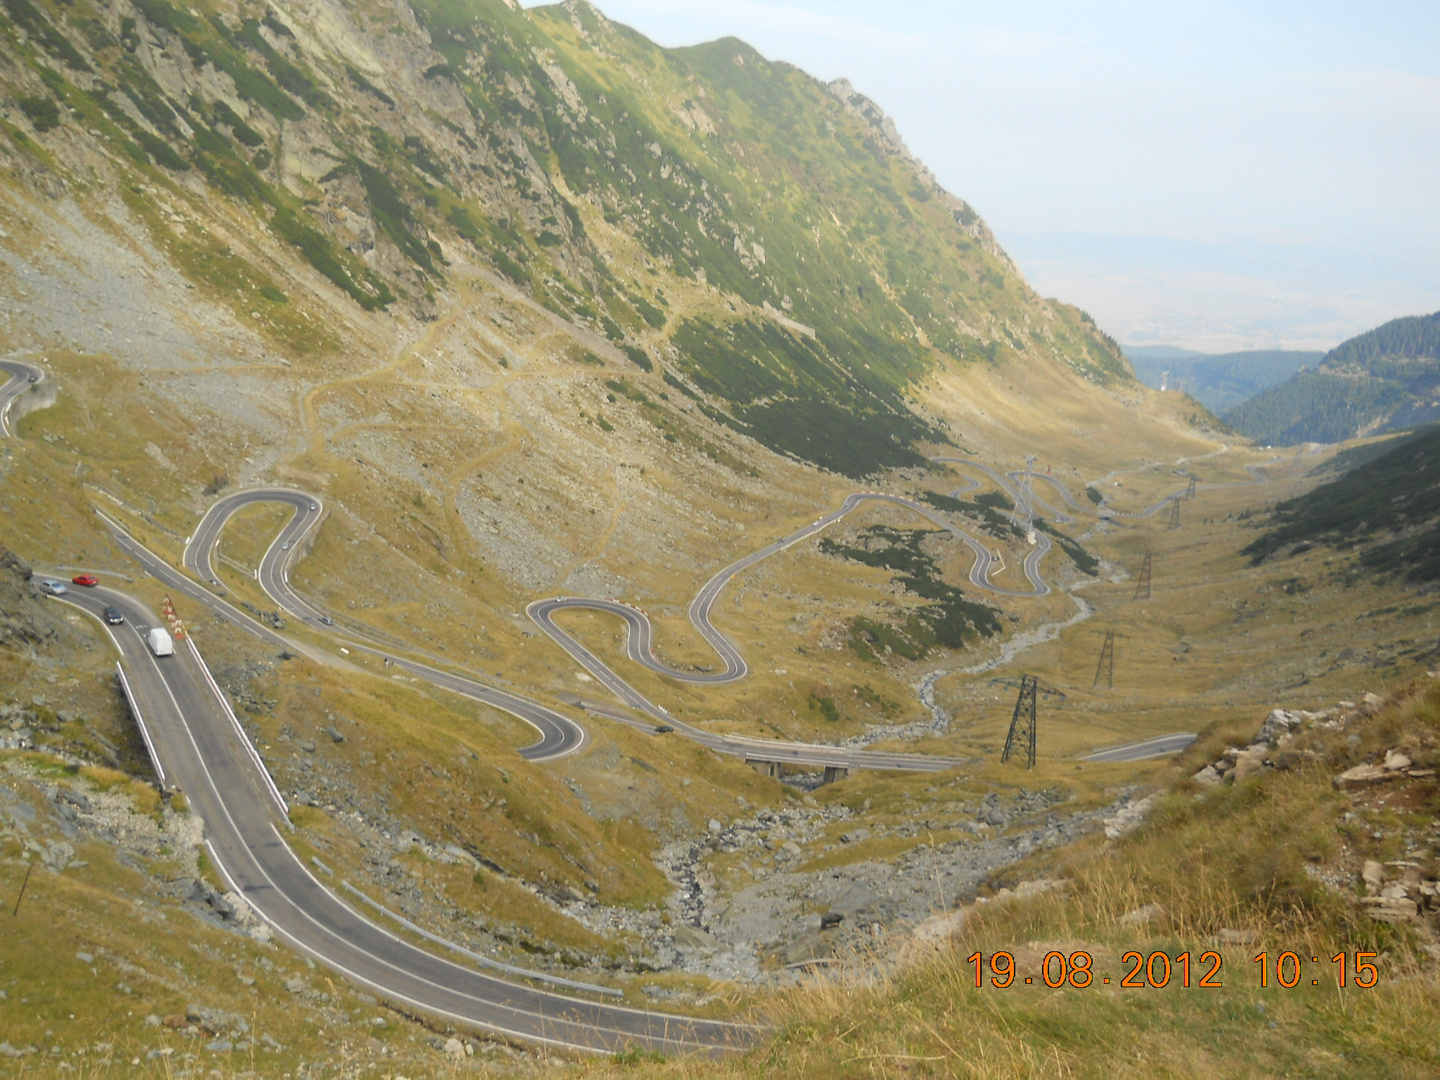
1219,381
1386,379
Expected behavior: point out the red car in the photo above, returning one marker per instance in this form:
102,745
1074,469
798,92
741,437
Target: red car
85,579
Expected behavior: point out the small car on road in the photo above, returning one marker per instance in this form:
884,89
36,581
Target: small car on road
664,729
113,616
88,580
53,587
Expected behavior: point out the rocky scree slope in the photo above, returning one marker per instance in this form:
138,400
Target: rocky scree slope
762,241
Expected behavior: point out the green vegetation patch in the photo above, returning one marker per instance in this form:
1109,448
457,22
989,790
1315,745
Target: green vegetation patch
1084,562
1383,379
949,620
992,519
340,267
1389,508
43,31
42,111
792,395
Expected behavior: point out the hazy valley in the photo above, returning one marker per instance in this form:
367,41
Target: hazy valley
540,331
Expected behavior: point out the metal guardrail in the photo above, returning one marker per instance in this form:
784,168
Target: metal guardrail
509,969
140,722
239,731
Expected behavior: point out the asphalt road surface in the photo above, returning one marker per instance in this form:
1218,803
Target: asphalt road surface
198,747
201,751
22,377
560,734
639,638
1160,746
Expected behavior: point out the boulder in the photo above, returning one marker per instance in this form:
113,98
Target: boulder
1250,762
810,947
1238,937
1279,723
1128,818
1036,886
939,929
1373,875
1391,909
1396,761
1363,775
695,939
1209,775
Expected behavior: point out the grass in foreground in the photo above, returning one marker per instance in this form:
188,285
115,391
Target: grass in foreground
1247,859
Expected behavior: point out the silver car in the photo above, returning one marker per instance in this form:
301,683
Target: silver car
53,587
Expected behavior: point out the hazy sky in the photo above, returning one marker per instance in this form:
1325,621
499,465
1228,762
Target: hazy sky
1210,174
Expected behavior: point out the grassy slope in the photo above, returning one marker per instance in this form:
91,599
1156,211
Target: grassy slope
1231,858
733,179
1389,507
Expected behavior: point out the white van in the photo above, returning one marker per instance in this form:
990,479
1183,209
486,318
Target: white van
160,642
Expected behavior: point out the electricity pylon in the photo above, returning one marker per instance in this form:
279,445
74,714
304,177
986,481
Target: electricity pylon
1142,583
1027,497
1022,723
1174,514
1190,490
1106,666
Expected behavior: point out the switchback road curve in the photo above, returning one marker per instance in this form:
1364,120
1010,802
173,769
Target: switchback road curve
22,377
639,637
198,747
560,734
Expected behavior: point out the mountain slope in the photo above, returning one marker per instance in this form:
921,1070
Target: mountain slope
763,237
1386,379
1387,508
1219,381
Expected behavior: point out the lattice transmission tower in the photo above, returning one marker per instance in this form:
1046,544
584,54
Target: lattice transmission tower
1174,514
1106,666
1142,582
1024,514
1023,721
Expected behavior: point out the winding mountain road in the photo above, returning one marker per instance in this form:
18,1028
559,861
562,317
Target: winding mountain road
198,747
560,735
22,377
